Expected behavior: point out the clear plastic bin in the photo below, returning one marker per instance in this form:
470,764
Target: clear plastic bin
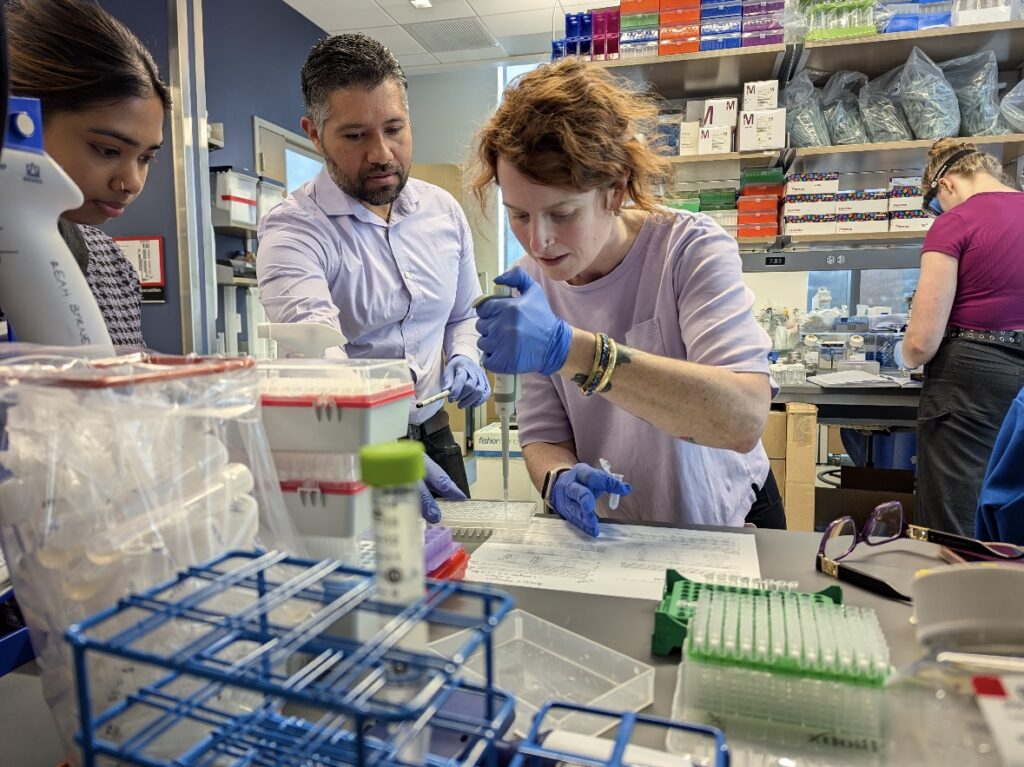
724,217
538,661
334,406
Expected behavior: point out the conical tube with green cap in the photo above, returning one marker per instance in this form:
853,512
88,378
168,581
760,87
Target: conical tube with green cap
394,470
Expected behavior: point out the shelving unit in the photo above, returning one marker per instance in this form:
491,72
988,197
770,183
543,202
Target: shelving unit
761,159
723,72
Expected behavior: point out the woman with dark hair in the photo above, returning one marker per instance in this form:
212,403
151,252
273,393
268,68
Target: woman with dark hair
103,108
633,323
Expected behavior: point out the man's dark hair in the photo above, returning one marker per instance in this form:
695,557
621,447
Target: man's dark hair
345,61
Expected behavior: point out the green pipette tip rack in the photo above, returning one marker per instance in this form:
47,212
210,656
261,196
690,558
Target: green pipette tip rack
679,601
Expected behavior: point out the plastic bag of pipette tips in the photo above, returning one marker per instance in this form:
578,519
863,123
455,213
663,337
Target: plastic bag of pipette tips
116,474
1012,107
840,108
882,110
929,101
975,80
804,119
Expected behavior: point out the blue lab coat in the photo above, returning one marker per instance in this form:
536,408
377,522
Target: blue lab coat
1000,514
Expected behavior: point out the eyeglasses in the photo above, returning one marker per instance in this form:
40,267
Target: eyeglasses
886,524
930,203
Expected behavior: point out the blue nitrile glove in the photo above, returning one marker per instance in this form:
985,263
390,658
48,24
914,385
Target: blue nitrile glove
467,381
440,483
521,334
577,490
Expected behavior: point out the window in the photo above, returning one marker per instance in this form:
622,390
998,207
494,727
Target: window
283,155
867,287
299,166
510,249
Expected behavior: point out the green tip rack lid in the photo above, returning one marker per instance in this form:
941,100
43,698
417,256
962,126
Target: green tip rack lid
392,463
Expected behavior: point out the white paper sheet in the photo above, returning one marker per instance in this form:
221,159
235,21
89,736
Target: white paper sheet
625,561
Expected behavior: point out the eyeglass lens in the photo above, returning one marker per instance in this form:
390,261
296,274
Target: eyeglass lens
886,523
841,538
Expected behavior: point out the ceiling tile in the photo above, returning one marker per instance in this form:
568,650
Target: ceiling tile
487,7
523,23
442,9
330,14
527,45
416,60
396,39
477,54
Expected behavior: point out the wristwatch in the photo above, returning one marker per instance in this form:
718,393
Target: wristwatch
549,483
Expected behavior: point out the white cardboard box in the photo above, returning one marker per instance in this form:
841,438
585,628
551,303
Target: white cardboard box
906,203
878,223
760,95
809,226
821,205
813,183
764,129
922,224
487,442
720,113
715,140
693,111
689,138
866,201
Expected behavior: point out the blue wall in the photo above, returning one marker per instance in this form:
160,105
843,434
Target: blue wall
153,212
254,54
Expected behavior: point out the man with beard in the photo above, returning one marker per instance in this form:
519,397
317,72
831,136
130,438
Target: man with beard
385,259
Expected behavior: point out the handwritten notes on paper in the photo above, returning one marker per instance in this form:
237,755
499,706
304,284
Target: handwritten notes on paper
625,561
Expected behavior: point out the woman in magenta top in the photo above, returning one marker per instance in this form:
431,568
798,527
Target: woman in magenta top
967,328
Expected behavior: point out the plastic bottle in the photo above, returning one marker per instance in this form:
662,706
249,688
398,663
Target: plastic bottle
855,349
822,299
42,289
394,470
810,353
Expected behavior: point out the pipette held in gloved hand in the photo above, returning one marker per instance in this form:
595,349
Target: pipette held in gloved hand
576,492
437,482
506,393
433,398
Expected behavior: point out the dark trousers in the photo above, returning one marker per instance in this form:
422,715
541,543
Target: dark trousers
767,510
441,447
968,388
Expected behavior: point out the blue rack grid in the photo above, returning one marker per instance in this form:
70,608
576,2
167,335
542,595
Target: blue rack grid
226,688
263,678
709,743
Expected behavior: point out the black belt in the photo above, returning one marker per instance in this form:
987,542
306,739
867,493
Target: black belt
435,423
1014,338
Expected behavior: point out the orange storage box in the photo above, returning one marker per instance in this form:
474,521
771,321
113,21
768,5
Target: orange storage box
676,5
763,190
769,218
679,18
757,203
756,231
673,47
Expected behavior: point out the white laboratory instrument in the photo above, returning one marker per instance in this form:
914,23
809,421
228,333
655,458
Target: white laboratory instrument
42,289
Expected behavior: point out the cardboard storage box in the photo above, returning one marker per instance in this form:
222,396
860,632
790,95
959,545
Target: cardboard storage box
764,129
720,113
790,439
715,140
812,183
762,94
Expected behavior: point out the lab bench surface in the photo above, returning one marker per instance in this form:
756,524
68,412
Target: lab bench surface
29,737
858,406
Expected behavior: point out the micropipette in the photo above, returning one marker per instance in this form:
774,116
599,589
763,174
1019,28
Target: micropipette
506,393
